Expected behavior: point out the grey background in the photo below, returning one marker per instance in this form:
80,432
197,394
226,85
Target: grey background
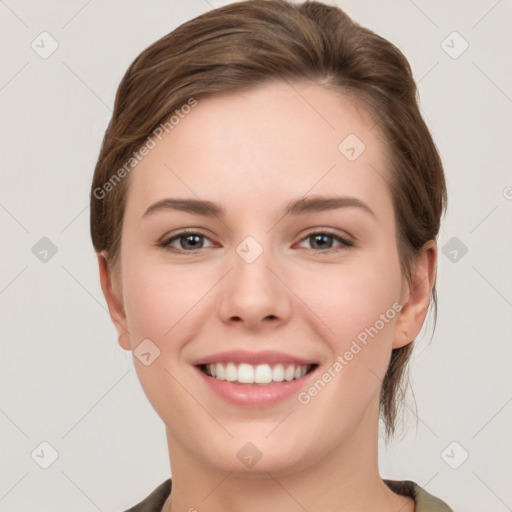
65,380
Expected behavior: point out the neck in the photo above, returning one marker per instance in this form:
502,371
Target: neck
345,479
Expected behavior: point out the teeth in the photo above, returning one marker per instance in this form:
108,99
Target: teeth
289,372
278,373
219,371
230,373
245,373
261,374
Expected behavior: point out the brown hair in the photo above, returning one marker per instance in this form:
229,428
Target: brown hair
248,43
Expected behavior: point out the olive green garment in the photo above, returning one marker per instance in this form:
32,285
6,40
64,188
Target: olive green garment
425,502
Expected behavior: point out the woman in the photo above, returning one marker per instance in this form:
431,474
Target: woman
265,209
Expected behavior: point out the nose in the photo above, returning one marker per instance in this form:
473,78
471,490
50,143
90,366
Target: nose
254,293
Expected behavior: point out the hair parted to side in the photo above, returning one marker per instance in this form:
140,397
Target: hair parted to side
248,43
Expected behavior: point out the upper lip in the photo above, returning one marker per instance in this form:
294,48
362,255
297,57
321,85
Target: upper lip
255,358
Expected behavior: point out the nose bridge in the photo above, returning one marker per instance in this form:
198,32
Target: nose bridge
253,292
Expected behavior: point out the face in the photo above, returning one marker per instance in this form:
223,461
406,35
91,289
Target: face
319,289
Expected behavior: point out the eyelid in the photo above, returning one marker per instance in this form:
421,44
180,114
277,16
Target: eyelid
328,231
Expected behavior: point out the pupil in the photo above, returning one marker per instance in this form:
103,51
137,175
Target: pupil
316,237
188,237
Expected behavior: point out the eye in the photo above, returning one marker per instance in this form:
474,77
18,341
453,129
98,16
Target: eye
192,241
323,239
188,241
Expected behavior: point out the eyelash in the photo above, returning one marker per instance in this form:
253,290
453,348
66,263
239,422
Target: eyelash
165,244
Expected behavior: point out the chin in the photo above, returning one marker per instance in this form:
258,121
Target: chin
253,452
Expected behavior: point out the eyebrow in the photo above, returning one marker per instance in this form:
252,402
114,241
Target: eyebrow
300,206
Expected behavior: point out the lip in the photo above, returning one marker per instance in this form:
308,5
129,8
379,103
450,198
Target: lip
256,395
254,358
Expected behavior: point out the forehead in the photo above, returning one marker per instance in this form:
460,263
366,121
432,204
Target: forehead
277,140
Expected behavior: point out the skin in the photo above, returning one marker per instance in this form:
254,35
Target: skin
253,152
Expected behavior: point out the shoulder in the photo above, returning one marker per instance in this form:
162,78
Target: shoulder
155,501
425,502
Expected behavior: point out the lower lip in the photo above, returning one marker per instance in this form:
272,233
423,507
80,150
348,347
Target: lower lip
255,395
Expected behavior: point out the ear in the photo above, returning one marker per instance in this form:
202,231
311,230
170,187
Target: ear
415,296
115,304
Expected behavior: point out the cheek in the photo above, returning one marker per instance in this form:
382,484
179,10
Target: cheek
162,303
153,306
360,312
355,298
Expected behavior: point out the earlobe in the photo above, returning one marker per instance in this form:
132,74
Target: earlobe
415,297
114,303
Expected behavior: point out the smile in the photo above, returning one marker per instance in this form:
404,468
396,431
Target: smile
245,373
